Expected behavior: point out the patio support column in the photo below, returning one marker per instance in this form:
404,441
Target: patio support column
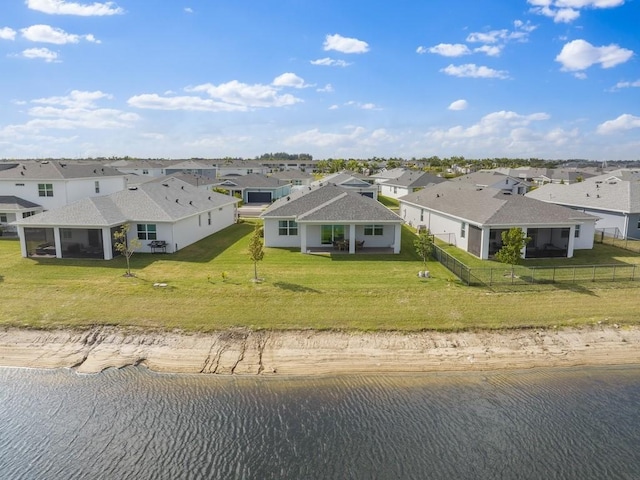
397,238
571,242
523,252
303,237
352,238
23,242
106,244
57,241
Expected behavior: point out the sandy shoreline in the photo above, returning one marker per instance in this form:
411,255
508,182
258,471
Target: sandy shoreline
313,352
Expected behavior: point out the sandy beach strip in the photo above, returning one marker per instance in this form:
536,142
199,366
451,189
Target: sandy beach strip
317,352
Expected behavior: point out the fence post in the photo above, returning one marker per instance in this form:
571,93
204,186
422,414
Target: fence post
574,274
490,276
553,277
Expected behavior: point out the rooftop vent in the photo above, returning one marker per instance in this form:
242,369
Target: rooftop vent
190,202
133,188
165,184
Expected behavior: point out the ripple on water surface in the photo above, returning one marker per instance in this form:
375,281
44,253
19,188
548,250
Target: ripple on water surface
132,423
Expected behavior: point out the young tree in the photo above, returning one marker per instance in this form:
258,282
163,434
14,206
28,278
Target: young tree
125,246
255,249
513,241
424,246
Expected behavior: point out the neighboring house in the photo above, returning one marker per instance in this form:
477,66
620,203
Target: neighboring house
203,168
410,181
474,218
495,180
53,184
255,187
541,176
200,181
384,175
330,216
349,182
297,178
147,168
165,217
613,197
240,167
13,208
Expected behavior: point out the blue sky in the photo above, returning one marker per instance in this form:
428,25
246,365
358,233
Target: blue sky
554,79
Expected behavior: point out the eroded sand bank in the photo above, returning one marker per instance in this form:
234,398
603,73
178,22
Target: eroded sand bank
312,352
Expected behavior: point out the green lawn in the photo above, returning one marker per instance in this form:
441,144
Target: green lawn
361,292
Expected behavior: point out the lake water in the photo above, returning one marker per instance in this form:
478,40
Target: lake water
134,424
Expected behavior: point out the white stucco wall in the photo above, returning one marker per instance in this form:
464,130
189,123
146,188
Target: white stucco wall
273,239
445,227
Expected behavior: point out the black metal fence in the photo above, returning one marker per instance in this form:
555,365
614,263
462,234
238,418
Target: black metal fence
523,275
614,238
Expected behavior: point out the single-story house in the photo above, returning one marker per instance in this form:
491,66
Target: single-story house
254,187
474,218
349,182
295,177
331,217
495,180
14,208
410,181
164,216
613,197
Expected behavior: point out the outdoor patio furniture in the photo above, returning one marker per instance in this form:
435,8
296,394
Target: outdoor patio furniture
158,246
359,244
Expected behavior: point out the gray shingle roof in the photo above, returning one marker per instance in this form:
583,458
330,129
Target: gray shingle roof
54,170
486,206
13,203
253,180
330,203
412,179
605,192
150,202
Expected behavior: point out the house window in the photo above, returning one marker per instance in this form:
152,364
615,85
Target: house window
422,215
19,184
463,230
249,170
147,231
45,190
27,214
297,182
287,227
576,232
97,186
3,218
395,189
209,218
373,230
145,171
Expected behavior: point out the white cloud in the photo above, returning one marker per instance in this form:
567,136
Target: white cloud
623,122
48,34
580,55
289,80
74,111
362,106
334,107
63,7
450,50
620,85
474,71
491,50
75,99
7,33
328,88
520,33
226,97
458,105
188,10
344,44
566,11
496,123
153,101
421,50
43,53
330,62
